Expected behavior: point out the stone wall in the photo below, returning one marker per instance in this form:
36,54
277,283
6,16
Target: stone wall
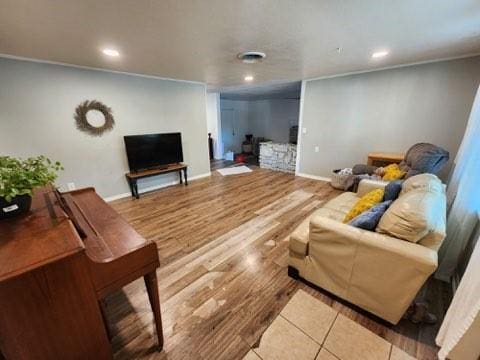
279,157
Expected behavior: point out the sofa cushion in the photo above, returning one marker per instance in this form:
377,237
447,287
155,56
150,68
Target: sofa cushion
422,181
414,215
369,219
342,203
333,214
365,203
367,185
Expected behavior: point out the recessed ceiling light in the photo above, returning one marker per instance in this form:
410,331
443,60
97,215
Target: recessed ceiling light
379,54
111,52
249,78
251,57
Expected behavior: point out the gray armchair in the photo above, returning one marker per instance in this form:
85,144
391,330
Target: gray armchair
424,158
420,158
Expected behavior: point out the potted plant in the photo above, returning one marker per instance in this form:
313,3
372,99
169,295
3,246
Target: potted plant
18,179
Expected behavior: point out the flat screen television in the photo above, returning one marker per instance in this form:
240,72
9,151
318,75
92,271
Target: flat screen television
153,150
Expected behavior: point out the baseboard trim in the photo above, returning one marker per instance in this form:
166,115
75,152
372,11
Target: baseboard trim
152,188
314,177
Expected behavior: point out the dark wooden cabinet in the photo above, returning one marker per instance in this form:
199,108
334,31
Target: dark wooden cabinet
56,265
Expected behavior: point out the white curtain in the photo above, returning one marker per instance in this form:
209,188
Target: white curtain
459,334
463,194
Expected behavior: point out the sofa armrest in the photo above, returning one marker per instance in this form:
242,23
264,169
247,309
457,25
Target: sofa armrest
325,230
298,241
367,185
377,272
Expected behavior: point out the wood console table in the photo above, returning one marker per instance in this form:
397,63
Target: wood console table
132,177
383,158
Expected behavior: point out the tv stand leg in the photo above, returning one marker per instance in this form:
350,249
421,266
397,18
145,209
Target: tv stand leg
135,187
185,175
180,176
130,185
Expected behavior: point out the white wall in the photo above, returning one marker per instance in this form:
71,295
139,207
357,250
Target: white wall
387,110
271,119
213,123
37,102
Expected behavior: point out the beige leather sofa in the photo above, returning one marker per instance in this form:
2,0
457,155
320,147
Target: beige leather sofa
380,271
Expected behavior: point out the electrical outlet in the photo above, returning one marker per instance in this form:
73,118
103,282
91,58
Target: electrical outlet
304,130
71,186
317,149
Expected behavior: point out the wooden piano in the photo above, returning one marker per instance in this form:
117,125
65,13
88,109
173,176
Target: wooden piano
57,263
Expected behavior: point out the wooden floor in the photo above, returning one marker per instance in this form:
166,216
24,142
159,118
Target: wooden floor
223,278
220,164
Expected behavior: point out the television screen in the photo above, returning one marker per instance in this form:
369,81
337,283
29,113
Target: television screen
153,150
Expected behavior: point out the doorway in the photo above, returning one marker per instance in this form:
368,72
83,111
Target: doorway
228,131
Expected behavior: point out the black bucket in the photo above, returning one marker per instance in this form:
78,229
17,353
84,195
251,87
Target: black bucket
19,205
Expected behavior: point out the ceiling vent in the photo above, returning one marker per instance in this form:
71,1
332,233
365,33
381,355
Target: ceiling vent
251,57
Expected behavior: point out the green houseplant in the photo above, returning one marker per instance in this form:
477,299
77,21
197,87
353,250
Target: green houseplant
18,179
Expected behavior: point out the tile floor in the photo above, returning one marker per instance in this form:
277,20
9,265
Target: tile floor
311,330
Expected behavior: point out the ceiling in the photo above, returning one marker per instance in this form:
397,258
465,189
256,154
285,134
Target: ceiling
268,90
199,40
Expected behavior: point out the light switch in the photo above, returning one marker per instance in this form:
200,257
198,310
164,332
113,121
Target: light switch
317,149
304,130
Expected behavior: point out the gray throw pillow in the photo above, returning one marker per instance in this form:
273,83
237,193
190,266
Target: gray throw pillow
369,219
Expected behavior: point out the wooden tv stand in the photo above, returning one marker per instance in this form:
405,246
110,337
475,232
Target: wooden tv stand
132,177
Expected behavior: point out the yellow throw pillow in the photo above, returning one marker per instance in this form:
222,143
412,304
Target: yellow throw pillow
366,202
392,172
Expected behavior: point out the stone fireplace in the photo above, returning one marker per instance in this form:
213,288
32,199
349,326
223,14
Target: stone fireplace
278,156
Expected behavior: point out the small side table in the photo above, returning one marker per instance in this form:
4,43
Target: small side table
132,177
384,158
